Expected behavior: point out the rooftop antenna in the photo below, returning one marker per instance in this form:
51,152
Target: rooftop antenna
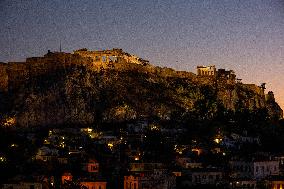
60,46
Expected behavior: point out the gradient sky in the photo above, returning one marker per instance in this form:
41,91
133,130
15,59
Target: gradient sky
243,35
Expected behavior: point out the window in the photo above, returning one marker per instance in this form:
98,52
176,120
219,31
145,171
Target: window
256,169
93,167
104,58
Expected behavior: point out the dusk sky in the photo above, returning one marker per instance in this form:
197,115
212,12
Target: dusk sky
243,35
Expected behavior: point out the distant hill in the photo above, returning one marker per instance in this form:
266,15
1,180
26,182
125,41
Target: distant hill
90,87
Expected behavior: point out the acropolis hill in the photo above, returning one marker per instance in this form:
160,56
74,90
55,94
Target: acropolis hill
111,85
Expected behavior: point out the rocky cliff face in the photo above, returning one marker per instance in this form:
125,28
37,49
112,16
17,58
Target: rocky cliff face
78,90
273,108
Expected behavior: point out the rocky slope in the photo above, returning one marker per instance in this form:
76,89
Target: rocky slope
83,93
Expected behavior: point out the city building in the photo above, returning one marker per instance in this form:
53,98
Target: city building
206,177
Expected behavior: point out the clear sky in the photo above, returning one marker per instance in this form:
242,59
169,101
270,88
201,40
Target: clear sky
243,35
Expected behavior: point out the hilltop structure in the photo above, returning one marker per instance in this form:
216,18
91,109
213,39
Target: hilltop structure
206,70
85,86
111,56
211,71
13,75
227,85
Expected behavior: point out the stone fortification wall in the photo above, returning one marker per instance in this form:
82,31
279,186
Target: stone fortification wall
53,61
256,89
15,74
18,75
3,77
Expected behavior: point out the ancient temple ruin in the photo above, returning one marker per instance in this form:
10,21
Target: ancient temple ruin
206,70
111,56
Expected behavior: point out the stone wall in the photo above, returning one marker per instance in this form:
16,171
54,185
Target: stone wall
50,62
3,77
20,72
18,75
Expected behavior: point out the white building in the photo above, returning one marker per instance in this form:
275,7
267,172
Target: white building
22,185
262,169
254,169
206,177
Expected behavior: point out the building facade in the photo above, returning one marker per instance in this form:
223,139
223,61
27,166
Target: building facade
206,70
